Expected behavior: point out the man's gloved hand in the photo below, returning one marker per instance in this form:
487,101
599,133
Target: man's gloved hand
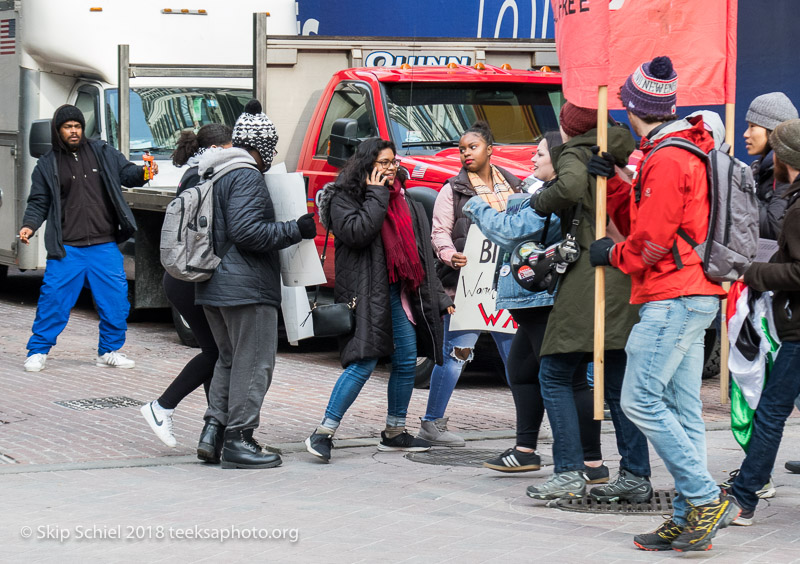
601,165
600,252
308,229
534,197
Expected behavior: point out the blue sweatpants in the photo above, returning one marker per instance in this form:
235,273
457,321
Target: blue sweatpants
98,267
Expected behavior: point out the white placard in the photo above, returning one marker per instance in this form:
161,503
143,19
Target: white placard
475,298
300,264
295,309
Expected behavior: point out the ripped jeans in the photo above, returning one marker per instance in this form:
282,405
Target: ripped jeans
458,350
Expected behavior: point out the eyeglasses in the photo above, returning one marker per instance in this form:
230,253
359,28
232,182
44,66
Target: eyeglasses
387,164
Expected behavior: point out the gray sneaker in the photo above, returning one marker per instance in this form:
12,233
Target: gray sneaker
560,485
625,487
436,433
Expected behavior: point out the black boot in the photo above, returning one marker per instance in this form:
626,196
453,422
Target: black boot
242,451
210,445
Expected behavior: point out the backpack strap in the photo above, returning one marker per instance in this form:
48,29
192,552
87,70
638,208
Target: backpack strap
216,176
687,145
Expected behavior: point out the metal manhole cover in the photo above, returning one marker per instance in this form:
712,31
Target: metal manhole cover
459,457
99,403
661,502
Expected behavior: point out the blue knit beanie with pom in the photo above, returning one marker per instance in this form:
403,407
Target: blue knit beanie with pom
652,90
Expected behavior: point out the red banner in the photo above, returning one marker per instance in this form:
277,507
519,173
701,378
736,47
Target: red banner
582,34
699,37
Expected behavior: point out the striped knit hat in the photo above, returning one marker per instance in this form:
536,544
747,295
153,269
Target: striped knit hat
652,90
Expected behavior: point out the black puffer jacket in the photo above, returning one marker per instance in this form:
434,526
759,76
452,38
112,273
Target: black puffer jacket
44,201
356,221
250,272
771,197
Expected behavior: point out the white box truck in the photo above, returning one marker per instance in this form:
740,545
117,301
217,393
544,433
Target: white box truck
54,52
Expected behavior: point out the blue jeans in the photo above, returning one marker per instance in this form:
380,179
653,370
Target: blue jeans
661,391
445,377
401,379
775,405
98,267
557,376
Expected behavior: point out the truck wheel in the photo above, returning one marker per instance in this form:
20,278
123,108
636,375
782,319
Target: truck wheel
425,365
711,365
183,330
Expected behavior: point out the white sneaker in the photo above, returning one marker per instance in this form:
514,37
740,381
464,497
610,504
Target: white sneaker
35,362
160,421
767,492
115,359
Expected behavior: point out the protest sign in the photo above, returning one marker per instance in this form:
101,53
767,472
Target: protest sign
300,264
475,294
295,309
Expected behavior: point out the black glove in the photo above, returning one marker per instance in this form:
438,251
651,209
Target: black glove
308,229
534,197
601,165
600,252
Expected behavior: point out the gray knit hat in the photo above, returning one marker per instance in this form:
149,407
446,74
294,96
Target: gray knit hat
768,110
254,130
785,141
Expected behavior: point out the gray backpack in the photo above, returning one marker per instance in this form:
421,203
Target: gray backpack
732,238
187,241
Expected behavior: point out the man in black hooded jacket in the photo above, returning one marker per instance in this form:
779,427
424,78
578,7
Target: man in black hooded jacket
75,187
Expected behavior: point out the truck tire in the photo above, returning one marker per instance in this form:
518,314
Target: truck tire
422,379
183,330
3,274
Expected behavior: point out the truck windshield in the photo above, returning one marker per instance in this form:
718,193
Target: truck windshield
431,116
159,115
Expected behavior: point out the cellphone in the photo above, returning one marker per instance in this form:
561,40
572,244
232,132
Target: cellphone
381,179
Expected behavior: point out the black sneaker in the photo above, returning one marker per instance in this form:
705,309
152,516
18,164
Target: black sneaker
625,487
514,460
320,444
404,441
793,466
703,523
661,538
596,474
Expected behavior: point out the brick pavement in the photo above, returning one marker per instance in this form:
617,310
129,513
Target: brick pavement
365,506
37,431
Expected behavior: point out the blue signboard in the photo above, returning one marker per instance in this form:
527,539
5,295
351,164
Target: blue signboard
431,18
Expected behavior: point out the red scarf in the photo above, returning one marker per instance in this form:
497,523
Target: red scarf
399,242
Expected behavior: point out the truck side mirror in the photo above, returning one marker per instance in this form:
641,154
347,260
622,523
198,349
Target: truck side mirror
39,141
343,142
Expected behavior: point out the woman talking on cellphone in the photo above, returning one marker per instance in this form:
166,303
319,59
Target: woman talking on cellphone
385,263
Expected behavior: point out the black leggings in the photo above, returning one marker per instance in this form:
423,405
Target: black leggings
523,374
200,369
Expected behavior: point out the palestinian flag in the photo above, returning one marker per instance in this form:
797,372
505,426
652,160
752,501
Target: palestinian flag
753,348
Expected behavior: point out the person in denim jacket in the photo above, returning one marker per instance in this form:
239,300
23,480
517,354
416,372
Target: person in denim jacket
530,311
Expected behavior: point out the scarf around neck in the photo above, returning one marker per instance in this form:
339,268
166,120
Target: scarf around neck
399,242
496,195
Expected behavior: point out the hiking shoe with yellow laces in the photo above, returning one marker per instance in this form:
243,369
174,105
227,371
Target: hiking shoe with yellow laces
704,521
661,538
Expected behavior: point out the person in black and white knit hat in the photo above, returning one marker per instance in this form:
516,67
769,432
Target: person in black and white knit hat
255,132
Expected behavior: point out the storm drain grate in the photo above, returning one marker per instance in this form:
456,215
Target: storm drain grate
99,403
453,457
660,503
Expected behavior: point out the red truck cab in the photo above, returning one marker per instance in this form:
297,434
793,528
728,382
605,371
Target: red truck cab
424,111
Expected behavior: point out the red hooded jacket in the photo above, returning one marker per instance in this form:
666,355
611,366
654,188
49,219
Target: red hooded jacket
674,193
